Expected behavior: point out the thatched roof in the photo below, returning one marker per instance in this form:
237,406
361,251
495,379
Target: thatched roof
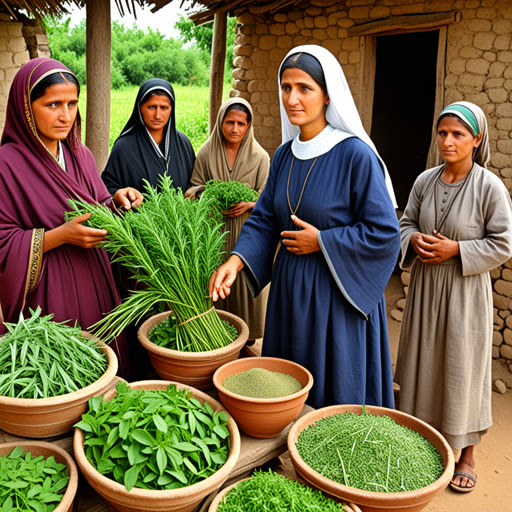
237,7
57,8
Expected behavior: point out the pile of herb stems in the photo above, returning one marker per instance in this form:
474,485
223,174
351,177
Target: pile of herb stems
271,492
31,483
171,246
371,453
155,439
40,358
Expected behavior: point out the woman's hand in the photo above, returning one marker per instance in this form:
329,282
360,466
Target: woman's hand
301,242
239,208
75,233
127,198
434,248
192,192
223,278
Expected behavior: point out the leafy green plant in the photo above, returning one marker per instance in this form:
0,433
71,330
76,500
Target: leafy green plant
224,194
278,493
31,483
154,439
171,246
40,358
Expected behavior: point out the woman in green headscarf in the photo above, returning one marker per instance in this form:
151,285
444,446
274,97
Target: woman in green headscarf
456,228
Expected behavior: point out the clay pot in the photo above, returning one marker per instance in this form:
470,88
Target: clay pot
46,417
184,499
191,368
37,448
410,501
214,505
263,417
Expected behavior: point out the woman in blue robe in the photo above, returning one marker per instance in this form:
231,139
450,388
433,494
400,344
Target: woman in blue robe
329,201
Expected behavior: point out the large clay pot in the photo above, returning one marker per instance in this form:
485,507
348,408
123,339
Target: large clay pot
191,368
214,505
410,501
46,417
37,448
263,417
184,499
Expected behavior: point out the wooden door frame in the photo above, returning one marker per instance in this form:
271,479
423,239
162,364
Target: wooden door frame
368,34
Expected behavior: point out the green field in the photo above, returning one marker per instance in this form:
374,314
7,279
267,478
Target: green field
191,111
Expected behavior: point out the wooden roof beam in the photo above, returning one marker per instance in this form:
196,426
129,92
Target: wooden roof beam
407,23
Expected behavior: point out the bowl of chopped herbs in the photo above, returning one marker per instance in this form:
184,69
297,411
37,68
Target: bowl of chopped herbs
278,492
35,475
48,372
156,446
379,458
175,362
263,394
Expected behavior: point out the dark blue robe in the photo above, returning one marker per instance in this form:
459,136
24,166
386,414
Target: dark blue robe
326,310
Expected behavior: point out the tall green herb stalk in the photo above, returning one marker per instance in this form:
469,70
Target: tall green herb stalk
171,246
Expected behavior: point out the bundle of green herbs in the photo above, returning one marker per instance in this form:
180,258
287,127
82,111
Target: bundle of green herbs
272,492
162,439
31,483
371,453
170,246
164,333
40,358
225,194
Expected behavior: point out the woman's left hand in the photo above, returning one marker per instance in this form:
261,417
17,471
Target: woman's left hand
127,198
301,242
239,208
439,248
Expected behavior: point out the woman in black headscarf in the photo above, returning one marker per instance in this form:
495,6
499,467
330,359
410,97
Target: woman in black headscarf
149,144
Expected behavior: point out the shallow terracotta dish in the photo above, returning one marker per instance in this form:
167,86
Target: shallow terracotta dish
410,501
192,368
263,417
47,417
184,499
37,448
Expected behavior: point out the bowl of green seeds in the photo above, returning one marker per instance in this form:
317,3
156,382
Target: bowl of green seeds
379,458
263,394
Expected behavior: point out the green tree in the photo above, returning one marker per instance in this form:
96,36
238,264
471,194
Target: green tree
202,36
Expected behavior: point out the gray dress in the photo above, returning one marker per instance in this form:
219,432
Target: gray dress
445,350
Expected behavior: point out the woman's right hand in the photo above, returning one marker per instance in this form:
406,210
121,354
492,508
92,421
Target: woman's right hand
223,278
75,233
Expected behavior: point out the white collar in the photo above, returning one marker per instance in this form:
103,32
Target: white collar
318,145
60,156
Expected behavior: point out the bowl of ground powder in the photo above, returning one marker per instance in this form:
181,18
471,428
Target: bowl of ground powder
263,394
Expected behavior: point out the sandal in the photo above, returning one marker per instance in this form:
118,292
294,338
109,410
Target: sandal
460,488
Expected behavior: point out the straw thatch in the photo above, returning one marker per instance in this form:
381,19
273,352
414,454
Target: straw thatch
57,8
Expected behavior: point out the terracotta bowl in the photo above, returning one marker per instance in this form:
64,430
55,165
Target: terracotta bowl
214,505
37,448
46,417
192,368
184,499
369,501
263,417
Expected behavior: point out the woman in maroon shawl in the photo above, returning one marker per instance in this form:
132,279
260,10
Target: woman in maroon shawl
45,261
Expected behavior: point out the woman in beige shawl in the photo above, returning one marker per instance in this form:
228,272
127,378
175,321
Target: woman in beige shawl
456,228
233,154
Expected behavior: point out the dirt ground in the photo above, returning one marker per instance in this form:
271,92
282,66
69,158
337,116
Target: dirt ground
493,492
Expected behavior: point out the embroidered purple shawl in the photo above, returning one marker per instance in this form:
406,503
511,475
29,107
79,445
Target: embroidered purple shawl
71,282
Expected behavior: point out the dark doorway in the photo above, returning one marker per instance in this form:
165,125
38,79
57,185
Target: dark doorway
403,105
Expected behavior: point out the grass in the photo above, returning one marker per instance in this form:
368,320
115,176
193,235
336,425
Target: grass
191,111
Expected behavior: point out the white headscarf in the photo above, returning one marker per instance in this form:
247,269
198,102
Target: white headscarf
341,113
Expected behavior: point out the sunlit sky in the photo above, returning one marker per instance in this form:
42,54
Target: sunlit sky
163,20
